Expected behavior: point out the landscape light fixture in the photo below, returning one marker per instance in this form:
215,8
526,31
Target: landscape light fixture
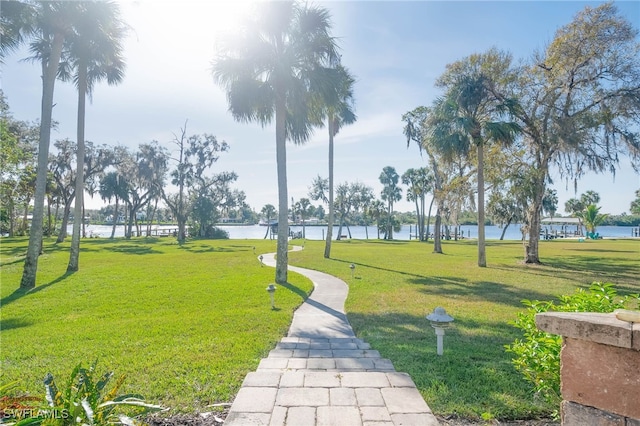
261,257
440,320
271,289
353,268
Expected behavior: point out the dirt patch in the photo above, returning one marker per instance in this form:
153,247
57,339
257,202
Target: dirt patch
457,421
196,419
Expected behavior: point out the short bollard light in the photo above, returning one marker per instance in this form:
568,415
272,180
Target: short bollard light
261,263
439,320
353,268
272,289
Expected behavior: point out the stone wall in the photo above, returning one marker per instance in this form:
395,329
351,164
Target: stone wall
600,368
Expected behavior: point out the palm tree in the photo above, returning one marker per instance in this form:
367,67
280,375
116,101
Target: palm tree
113,185
52,23
302,207
464,118
16,26
375,210
268,211
279,62
391,193
419,129
592,218
419,182
94,53
338,114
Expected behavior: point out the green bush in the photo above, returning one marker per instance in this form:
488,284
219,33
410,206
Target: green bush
537,354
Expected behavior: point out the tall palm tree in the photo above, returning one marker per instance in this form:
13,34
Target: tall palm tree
16,26
93,53
466,117
282,59
113,185
268,211
418,129
339,113
391,193
302,207
52,23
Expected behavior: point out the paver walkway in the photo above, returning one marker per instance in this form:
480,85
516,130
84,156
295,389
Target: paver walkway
321,374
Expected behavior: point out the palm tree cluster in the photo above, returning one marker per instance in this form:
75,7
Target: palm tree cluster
283,66
574,106
78,41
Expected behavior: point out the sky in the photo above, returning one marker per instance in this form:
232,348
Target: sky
396,50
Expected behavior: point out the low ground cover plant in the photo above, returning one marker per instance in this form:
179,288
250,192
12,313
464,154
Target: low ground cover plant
86,398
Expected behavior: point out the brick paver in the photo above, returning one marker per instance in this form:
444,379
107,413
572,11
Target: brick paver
320,374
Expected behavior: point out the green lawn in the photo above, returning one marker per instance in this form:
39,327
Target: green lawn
396,284
186,323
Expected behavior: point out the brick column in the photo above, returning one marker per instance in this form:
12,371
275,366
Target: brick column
600,368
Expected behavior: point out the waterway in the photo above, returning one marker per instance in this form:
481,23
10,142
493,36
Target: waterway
241,232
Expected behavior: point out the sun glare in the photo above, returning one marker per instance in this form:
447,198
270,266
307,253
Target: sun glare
188,17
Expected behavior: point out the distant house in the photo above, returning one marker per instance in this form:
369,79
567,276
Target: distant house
230,220
109,219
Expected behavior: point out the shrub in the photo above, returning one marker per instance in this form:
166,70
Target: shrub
537,354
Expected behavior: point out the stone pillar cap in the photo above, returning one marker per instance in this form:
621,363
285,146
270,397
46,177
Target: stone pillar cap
594,327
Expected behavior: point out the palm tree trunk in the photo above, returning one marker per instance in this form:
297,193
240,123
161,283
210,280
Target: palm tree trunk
74,254
389,233
437,237
429,218
327,245
50,70
115,219
418,234
11,211
281,161
48,217
422,202
482,255
268,227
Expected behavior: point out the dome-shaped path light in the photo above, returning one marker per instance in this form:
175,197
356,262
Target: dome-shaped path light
440,320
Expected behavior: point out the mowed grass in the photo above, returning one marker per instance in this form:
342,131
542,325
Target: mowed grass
396,284
185,324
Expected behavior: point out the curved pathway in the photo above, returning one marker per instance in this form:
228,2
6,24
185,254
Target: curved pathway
321,374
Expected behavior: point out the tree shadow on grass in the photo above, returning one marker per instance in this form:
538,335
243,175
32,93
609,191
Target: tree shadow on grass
19,293
203,248
474,290
395,271
618,267
584,270
13,323
474,363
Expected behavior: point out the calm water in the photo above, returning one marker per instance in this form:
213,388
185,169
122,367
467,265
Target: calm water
360,232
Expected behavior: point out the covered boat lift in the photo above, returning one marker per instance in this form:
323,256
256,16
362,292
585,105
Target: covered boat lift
569,227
